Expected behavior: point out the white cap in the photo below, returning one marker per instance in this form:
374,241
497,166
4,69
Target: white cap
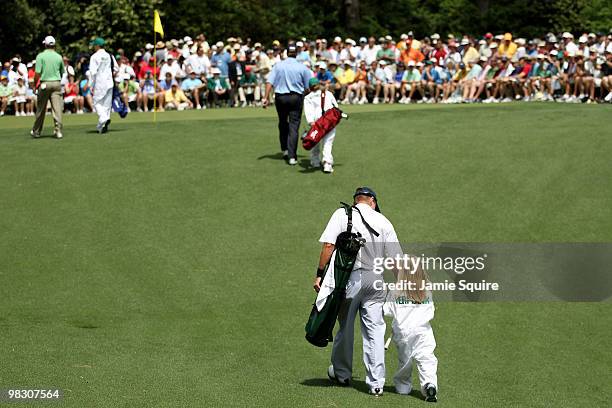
322,65
214,47
49,40
350,41
236,46
215,70
465,41
411,63
419,64
363,40
592,35
483,59
149,46
255,54
383,62
187,39
583,39
593,49
541,56
553,52
482,42
403,36
219,44
493,45
125,77
388,38
337,39
499,37
257,45
138,54
435,36
299,44
567,35
520,41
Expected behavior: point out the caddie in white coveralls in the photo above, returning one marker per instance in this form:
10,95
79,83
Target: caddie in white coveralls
414,339
101,77
361,295
313,111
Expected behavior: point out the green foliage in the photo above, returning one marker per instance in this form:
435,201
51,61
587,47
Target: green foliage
128,23
20,27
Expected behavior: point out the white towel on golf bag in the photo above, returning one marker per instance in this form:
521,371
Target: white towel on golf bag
328,285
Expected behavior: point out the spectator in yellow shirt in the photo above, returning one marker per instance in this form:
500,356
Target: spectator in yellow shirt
176,99
470,53
345,79
507,47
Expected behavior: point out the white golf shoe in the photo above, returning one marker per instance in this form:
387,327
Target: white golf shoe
333,378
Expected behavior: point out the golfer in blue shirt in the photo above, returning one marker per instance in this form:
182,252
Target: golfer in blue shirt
289,78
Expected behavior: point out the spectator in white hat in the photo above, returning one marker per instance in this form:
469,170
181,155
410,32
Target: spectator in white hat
568,41
470,54
370,51
218,88
349,53
221,59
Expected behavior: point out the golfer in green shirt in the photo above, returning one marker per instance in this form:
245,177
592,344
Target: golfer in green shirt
49,70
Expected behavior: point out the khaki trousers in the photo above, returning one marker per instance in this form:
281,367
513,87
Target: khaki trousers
51,90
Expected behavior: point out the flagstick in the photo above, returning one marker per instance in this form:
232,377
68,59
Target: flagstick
154,73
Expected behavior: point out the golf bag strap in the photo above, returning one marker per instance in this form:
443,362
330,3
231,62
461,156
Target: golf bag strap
348,209
349,214
372,230
113,69
323,92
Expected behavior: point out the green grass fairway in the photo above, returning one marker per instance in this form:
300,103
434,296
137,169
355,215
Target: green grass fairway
170,264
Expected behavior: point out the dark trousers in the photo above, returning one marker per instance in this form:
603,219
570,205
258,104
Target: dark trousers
289,109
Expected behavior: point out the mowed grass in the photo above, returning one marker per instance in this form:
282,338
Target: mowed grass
170,264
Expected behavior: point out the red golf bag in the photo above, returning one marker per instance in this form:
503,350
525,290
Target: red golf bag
322,126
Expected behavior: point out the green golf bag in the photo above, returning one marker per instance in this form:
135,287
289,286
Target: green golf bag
321,323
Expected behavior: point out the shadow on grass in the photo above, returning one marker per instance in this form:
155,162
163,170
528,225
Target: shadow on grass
318,382
275,156
307,168
93,131
358,385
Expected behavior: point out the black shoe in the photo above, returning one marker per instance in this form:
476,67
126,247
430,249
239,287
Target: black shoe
105,127
332,377
431,393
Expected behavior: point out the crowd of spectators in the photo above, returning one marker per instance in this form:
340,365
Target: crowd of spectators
191,73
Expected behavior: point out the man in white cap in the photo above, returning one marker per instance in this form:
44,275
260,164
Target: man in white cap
102,70
568,40
49,70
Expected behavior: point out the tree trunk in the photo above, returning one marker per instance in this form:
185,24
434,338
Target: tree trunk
351,11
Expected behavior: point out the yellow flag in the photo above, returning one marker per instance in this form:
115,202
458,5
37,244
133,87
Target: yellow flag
157,26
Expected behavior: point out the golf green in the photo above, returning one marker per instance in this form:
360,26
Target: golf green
170,264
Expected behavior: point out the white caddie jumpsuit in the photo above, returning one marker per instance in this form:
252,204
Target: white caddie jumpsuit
312,112
361,297
101,78
414,339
